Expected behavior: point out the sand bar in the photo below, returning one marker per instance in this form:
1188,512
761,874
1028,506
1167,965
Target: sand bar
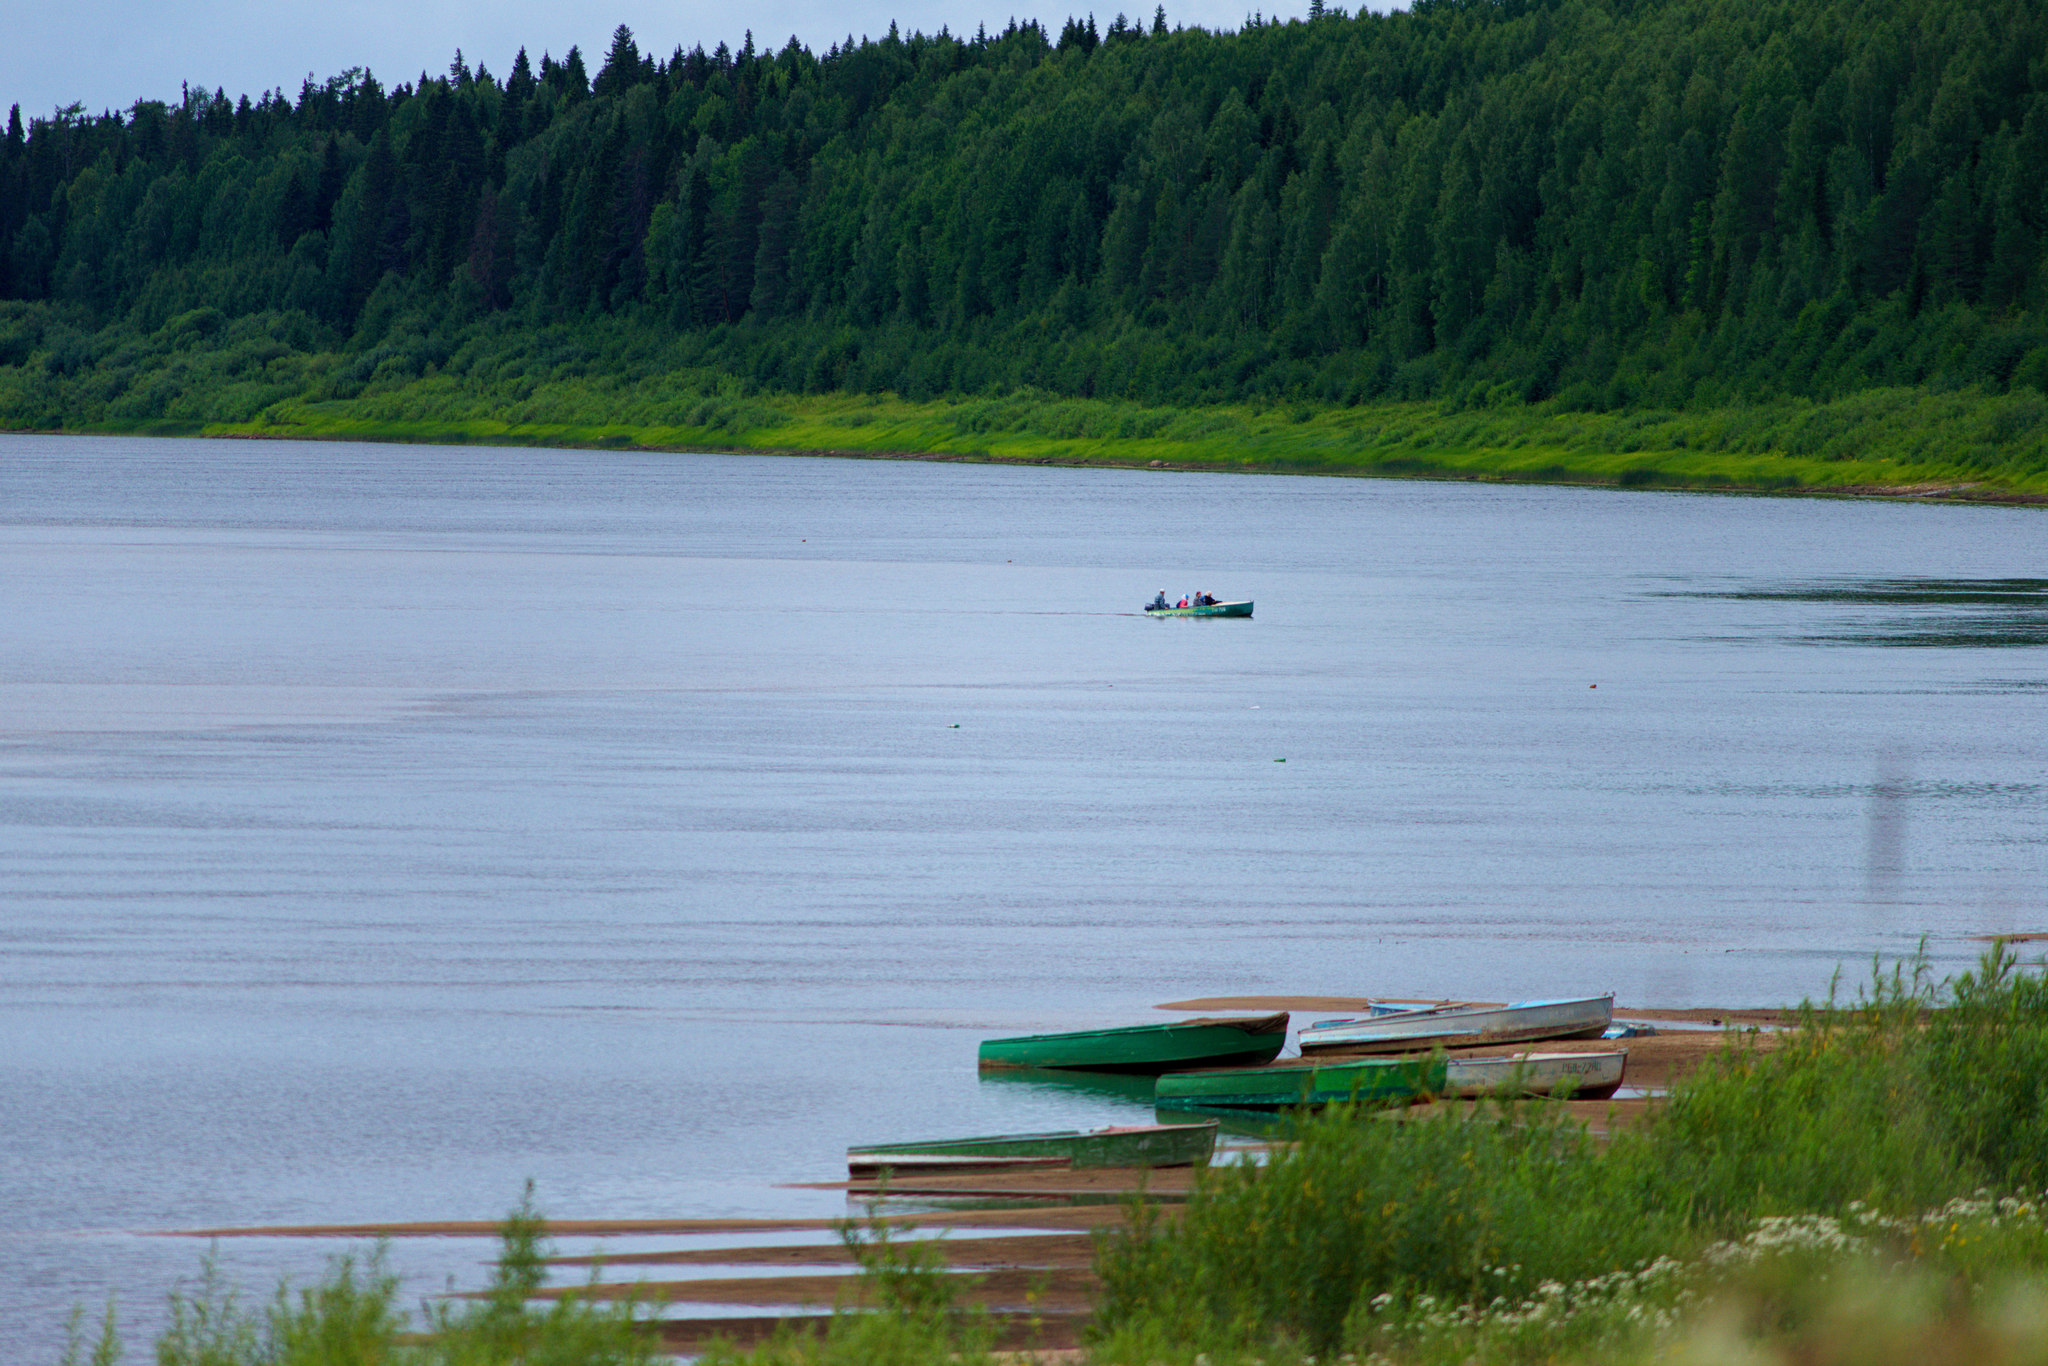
1081,1216
1010,1250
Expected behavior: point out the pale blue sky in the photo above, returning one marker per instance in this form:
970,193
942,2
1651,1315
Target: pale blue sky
108,53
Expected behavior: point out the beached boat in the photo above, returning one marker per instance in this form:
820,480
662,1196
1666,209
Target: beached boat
1406,1029
1302,1082
1590,1076
1213,609
1148,1048
1129,1145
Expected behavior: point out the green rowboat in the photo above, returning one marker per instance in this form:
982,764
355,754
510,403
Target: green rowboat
1303,1083
1131,1145
1152,1048
1214,609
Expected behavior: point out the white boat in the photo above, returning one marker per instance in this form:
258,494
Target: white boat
1592,1076
1404,1029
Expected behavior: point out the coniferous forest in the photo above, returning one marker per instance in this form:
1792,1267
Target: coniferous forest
1611,212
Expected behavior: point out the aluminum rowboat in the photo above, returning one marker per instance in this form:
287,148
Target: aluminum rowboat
1405,1029
1591,1076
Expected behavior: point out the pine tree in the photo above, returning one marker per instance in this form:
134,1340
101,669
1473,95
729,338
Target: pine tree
621,69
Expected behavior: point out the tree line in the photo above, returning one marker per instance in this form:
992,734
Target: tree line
1593,203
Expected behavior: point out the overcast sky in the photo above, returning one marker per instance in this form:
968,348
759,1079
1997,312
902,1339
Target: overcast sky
107,54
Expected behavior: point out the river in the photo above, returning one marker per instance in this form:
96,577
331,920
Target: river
381,826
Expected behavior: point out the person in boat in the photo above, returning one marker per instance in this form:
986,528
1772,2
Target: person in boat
1182,603
1158,603
1205,600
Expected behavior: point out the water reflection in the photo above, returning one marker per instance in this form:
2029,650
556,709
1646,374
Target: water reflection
1266,1126
1061,1081
1924,613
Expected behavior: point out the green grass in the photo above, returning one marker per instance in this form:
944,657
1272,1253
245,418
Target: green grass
607,385
352,1318
1900,441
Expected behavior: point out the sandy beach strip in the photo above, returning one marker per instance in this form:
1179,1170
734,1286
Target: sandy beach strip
1064,1250
1069,1217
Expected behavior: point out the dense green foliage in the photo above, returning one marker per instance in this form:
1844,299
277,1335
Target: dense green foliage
1590,204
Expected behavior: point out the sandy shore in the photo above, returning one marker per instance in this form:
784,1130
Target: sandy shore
1035,1277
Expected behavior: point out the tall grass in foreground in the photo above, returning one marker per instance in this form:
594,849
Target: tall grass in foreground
353,1318
1917,1094
906,1313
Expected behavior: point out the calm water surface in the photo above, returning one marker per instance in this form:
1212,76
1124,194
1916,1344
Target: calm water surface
382,826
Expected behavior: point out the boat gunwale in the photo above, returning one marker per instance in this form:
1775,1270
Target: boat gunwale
1452,1011
926,1147
1368,1075
1275,1023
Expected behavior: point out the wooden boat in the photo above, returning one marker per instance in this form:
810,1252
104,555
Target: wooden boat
1590,1076
1406,1029
1214,609
1302,1082
1151,1048
1130,1145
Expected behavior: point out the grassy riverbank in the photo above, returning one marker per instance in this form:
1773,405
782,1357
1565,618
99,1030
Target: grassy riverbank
605,384
1898,442
1867,1191
1895,443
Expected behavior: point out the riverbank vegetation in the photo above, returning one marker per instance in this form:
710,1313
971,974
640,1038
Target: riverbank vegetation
1867,1190
1789,245
355,1317
1905,1136
604,385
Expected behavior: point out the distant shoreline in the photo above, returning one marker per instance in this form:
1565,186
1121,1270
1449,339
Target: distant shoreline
1659,471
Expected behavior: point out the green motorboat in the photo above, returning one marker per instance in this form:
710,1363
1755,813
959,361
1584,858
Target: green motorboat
1152,1048
1299,1082
1207,609
1129,1145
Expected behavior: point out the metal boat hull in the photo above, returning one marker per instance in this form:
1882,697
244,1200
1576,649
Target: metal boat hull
1408,1030
1587,1076
1131,1145
1149,1048
1300,1083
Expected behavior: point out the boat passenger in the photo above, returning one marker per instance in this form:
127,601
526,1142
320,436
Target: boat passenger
1157,603
1182,603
